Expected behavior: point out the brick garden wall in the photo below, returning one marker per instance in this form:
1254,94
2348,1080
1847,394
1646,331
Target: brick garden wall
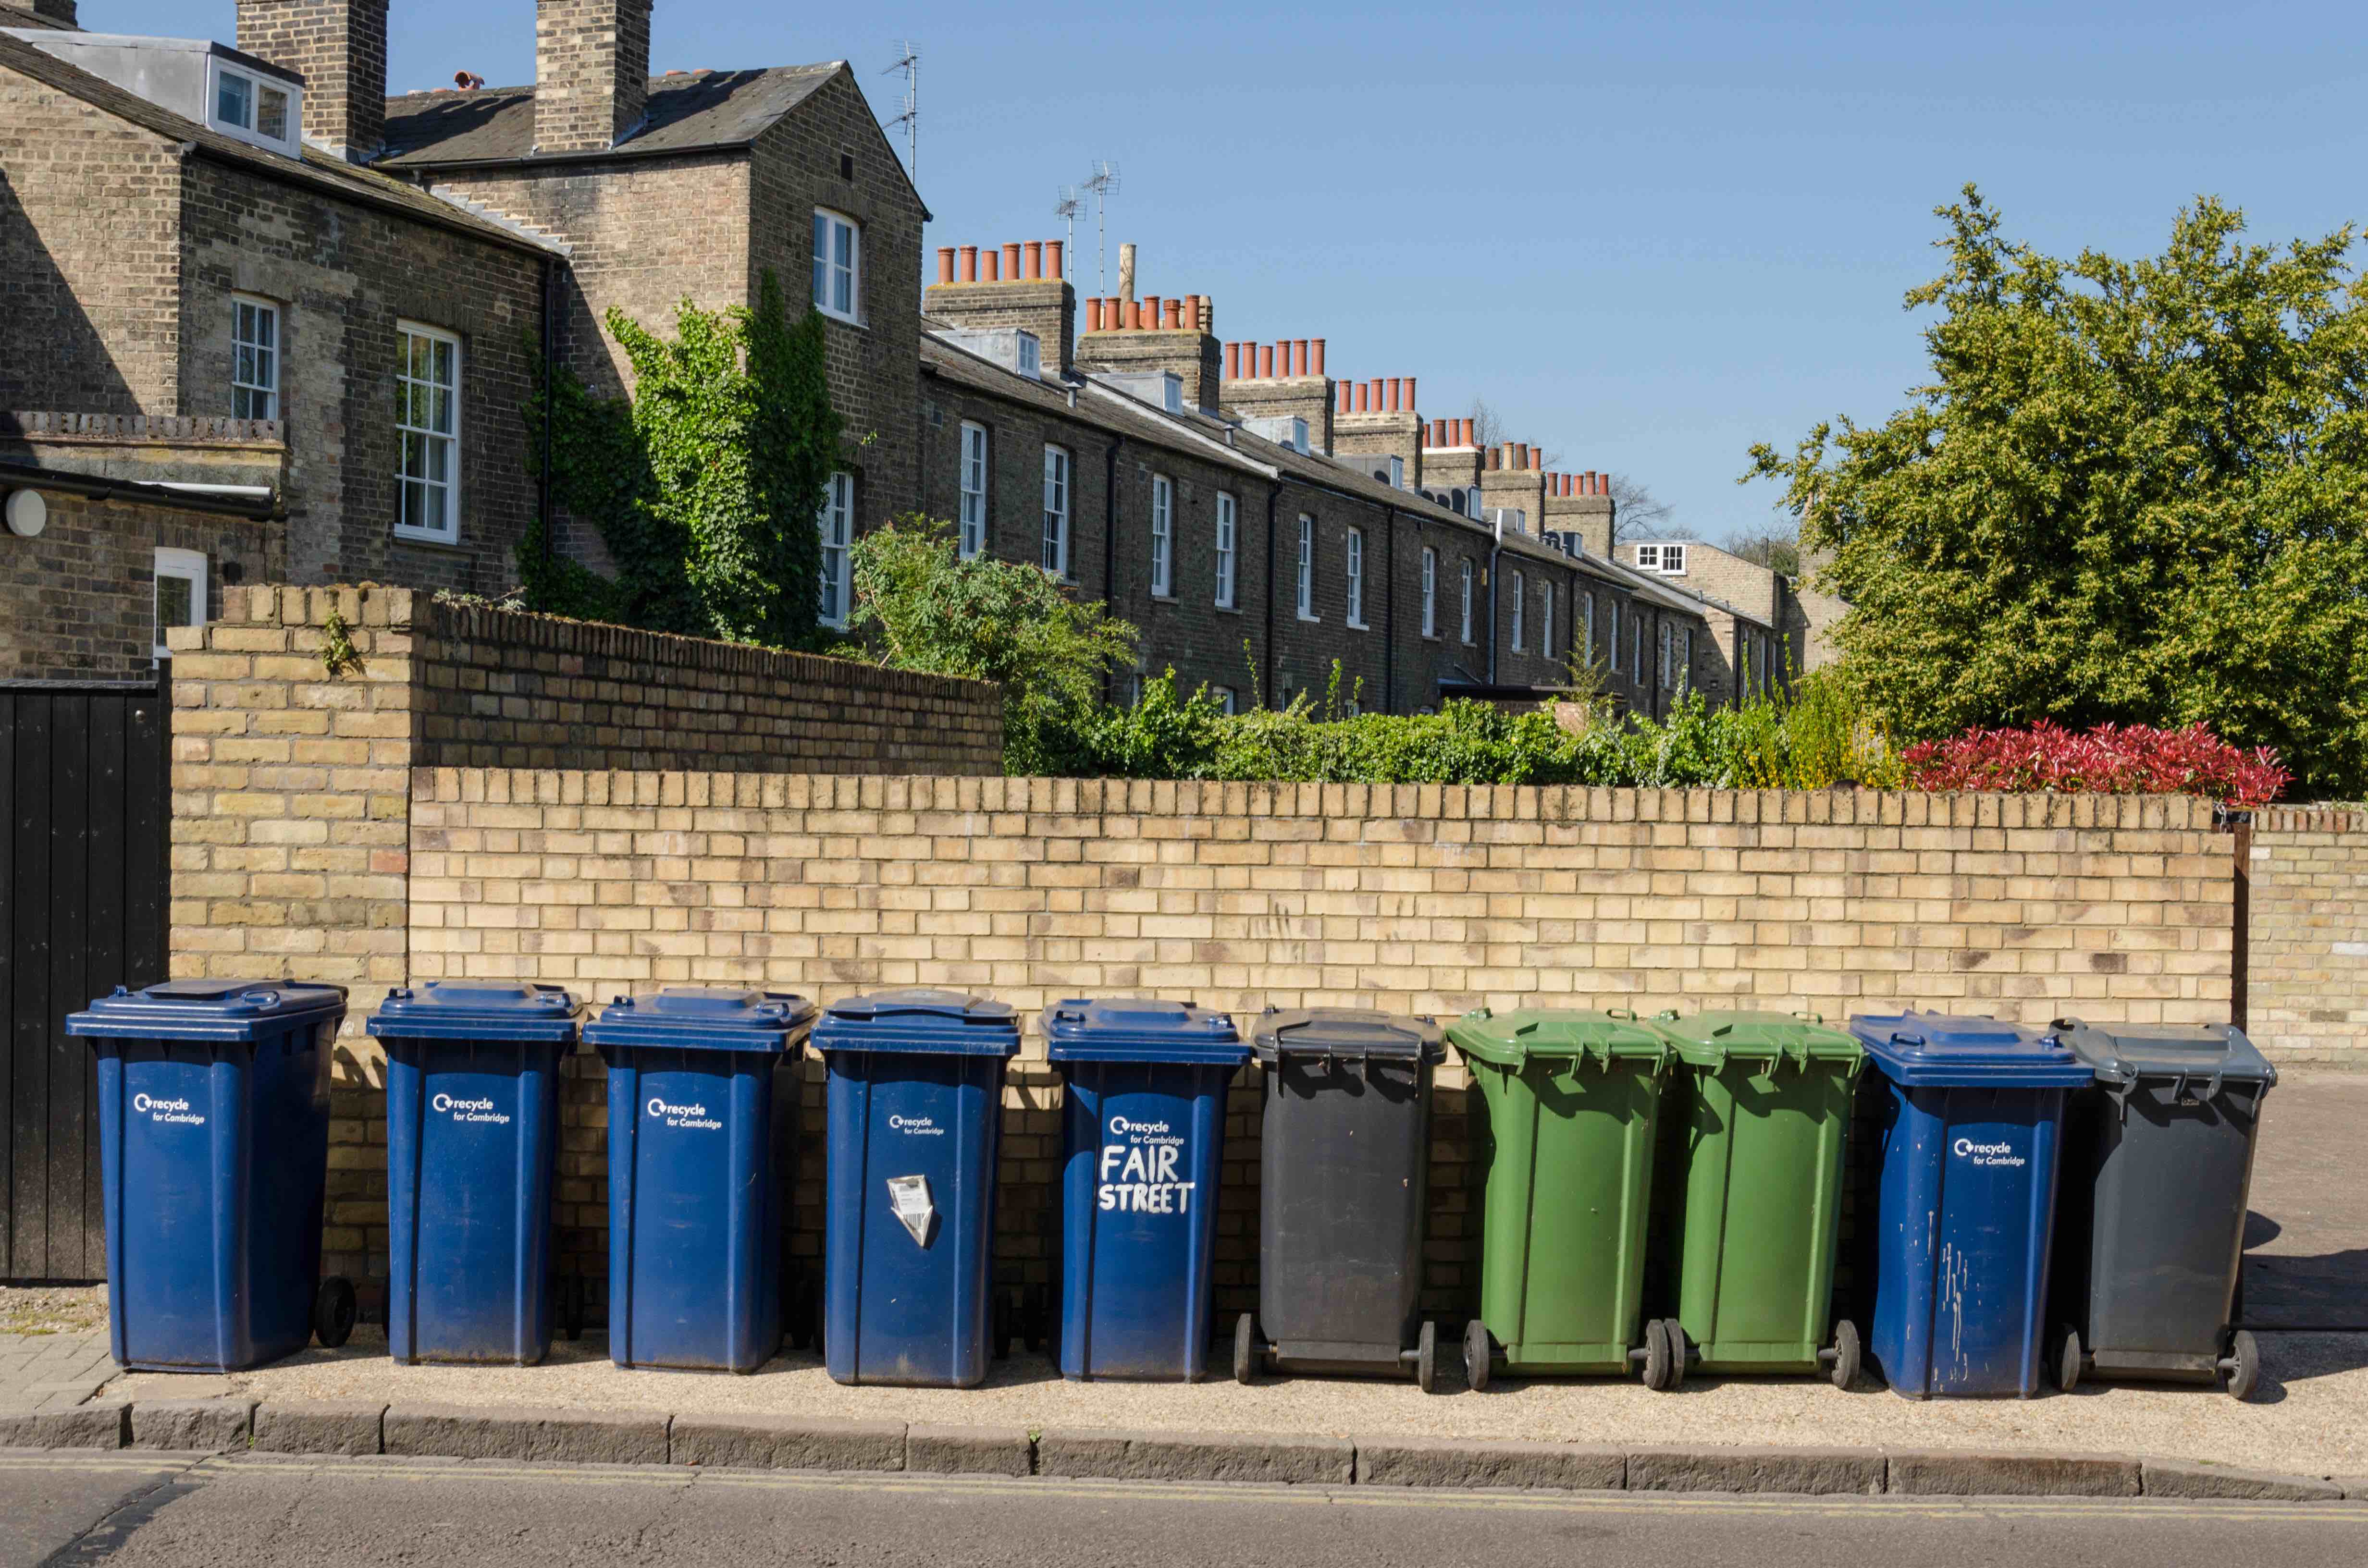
1427,899
2306,970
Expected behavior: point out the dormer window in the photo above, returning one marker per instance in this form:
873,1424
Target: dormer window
254,108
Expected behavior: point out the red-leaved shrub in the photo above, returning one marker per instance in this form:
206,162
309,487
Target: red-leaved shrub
2111,759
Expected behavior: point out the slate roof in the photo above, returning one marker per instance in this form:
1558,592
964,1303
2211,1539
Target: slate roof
316,170
689,112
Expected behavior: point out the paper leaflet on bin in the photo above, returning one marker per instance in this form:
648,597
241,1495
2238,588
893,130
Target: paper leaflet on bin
909,1196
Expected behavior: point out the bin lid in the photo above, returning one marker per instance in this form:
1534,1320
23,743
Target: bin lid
460,1009
1140,1029
1511,1040
207,1009
704,1017
2120,1055
920,1018
1711,1039
1346,1032
1947,1050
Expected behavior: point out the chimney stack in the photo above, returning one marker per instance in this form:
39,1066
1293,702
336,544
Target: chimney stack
1021,289
59,11
591,72
338,46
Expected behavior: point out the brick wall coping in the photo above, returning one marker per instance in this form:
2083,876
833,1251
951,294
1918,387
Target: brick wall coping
1138,797
155,429
2311,819
406,610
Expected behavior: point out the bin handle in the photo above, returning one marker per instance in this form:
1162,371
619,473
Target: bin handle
1665,1015
1914,1040
1816,1018
1628,1014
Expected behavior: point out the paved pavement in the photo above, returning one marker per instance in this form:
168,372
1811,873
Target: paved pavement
263,1513
53,1371
2306,1239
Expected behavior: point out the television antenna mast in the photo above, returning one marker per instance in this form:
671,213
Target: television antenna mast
1067,207
1102,185
910,64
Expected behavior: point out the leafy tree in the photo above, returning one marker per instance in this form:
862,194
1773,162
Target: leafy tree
1775,546
2132,491
704,483
919,607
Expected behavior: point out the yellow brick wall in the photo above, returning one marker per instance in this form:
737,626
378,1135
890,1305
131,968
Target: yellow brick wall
2306,950
1424,898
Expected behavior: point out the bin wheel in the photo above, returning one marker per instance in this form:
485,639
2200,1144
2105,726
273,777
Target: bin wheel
1477,1356
2064,1359
335,1308
1425,1356
1657,1355
1847,1351
1003,1316
1679,1354
1244,1348
2242,1369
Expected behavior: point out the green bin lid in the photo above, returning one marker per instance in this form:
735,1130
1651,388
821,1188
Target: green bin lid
1511,1039
2121,1054
1711,1039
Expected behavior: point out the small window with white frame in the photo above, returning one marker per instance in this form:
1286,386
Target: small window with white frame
1228,522
835,526
837,265
1612,625
1669,560
1163,536
1306,567
1685,659
1429,592
427,424
254,108
1356,579
1640,672
180,599
1056,511
973,489
1468,602
1666,679
1586,610
1545,619
254,358
1520,617
1225,698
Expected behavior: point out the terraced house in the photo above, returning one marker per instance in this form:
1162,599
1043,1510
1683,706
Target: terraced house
292,337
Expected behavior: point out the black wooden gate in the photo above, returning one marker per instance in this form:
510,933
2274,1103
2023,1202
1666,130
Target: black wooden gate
84,770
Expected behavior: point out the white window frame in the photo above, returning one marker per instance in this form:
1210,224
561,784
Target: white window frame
1636,640
1648,558
1306,567
1521,610
830,269
1545,624
1059,473
1228,530
1429,592
1673,559
1613,640
249,129
971,538
1586,608
405,332
185,566
1356,554
1467,605
1225,698
1685,658
254,357
1163,536
1664,639
835,526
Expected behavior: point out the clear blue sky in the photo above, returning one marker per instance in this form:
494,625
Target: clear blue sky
1647,234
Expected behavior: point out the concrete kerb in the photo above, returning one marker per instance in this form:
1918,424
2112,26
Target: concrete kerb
234,1424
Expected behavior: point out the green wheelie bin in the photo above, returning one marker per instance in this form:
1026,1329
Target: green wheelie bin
1757,1120
1563,1128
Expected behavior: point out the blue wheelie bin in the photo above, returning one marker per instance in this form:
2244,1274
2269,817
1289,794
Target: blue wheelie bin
472,1144
908,1244
1142,1145
1972,1120
702,1133
213,1098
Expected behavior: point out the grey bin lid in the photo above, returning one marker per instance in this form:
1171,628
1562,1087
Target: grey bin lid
1357,1033
2121,1054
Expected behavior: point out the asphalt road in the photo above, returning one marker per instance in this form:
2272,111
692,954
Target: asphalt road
300,1513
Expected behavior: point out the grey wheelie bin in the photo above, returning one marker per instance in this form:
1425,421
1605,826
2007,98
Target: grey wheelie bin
2150,1220
1343,1187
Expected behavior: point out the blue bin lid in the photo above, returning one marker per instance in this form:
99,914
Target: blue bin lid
458,1010
950,1022
1950,1051
704,1017
208,1009
1140,1029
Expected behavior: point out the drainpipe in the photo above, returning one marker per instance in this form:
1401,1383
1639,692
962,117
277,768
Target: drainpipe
1109,535
1273,502
1390,617
549,400
1495,551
